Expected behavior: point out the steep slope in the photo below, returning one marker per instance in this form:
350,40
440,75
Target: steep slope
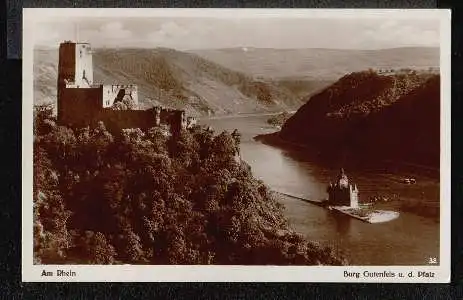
365,116
302,87
174,79
45,76
318,63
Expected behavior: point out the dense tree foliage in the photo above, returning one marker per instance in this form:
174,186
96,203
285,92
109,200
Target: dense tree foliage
279,120
151,198
126,103
396,117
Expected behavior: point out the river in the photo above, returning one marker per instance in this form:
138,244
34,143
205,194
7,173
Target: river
409,240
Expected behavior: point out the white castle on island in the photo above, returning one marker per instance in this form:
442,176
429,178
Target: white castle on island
344,198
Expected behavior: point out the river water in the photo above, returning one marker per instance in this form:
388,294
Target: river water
409,240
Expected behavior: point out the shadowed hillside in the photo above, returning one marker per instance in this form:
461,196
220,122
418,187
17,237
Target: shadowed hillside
319,63
365,116
178,80
141,197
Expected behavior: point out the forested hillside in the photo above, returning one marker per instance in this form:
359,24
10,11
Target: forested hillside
368,116
179,80
149,198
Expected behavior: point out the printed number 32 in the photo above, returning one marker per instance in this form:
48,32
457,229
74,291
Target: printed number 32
433,260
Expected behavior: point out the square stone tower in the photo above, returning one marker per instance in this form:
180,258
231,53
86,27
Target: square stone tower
75,69
75,64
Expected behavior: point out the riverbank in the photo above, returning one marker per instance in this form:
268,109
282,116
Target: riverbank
421,198
274,139
291,171
243,115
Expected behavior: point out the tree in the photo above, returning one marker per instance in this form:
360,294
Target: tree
43,119
184,148
59,143
224,145
126,103
158,137
93,248
143,197
204,137
51,238
132,250
93,146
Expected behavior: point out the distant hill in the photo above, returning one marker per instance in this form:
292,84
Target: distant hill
179,80
318,63
365,116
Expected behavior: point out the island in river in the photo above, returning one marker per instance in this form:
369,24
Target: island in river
409,240
382,129
368,120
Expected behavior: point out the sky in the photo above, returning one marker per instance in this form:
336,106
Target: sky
214,33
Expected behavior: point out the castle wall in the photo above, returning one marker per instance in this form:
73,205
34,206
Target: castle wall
343,196
78,106
112,92
175,118
83,107
115,120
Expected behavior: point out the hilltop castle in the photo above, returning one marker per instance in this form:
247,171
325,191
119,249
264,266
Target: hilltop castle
342,193
81,102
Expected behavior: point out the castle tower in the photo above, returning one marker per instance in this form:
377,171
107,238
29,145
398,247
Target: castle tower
342,192
353,195
75,64
75,68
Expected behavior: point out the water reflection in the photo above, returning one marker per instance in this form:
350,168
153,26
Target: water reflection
342,223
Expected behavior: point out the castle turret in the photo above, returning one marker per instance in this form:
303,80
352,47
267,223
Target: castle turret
343,181
353,195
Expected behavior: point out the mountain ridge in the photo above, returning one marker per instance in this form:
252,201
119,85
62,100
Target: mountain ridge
175,79
325,63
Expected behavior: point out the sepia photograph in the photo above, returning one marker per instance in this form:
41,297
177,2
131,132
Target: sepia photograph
232,140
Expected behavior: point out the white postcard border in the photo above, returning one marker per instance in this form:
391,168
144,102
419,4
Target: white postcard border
161,273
